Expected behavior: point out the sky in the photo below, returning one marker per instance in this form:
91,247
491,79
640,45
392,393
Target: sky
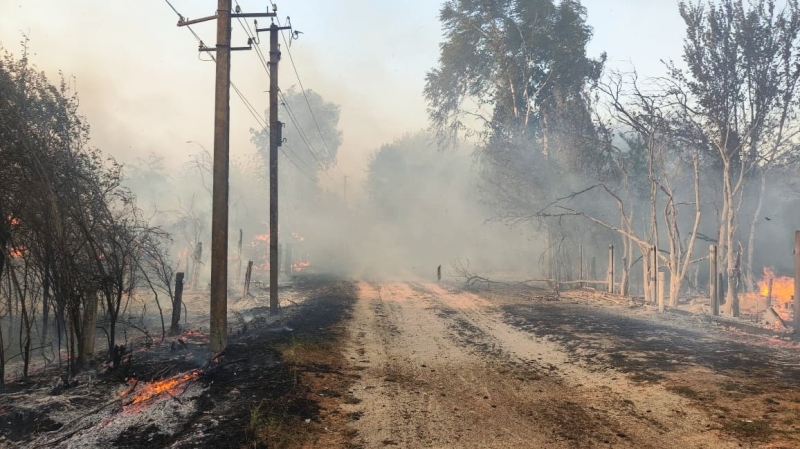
144,89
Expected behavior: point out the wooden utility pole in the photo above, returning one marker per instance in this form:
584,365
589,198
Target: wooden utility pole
795,298
274,57
610,274
219,204
274,143
713,278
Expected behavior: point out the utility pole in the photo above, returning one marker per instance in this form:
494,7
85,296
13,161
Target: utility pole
274,143
219,206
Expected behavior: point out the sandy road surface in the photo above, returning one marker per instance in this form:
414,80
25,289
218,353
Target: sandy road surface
445,368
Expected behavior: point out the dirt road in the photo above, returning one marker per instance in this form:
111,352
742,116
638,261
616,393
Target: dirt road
441,367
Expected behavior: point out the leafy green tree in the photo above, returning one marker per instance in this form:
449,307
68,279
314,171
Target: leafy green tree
514,66
514,76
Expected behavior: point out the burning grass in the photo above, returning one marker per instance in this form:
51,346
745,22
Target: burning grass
168,387
777,291
272,387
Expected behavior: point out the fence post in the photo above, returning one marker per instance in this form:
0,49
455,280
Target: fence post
769,293
580,269
247,275
610,276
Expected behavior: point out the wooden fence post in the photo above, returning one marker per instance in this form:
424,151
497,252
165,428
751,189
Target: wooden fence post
247,276
769,293
610,277
175,327
580,268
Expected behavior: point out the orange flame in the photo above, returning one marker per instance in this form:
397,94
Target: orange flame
170,386
262,237
782,295
16,252
782,287
300,265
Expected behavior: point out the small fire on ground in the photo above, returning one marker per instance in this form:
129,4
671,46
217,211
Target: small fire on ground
172,387
300,265
260,245
781,296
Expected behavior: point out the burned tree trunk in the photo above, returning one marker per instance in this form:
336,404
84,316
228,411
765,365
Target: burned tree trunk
749,278
86,347
198,256
175,327
239,257
247,276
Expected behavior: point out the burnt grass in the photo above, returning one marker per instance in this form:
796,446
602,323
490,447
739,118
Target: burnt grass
257,381
645,348
251,379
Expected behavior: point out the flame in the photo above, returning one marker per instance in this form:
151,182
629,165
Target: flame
782,287
193,334
13,221
16,252
300,265
184,256
155,389
782,295
262,237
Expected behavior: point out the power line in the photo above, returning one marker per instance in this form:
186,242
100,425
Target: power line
308,103
264,126
247,103
292,115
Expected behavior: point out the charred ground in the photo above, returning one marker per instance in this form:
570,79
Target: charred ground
247,396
